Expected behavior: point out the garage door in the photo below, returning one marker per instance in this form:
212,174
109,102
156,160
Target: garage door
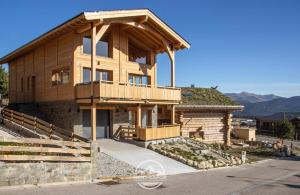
102,124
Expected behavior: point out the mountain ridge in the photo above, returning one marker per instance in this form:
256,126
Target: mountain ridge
263,105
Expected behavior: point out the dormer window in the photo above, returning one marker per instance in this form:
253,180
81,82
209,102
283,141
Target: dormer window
103,47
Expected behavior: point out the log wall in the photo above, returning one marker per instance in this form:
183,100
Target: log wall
211,126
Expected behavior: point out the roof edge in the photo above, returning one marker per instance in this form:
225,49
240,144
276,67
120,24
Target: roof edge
210,107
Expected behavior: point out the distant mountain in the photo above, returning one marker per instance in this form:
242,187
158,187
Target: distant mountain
245,97
265,108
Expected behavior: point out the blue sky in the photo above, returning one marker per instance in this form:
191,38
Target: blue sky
238,45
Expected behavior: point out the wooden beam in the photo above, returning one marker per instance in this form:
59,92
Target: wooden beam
171,54
139,116
89,26
173,114
93,121
101,32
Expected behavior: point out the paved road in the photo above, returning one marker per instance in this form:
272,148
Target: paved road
268,177
274,139
135,155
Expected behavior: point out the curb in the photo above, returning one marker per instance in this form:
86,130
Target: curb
122,178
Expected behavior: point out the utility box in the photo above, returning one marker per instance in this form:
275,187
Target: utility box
245,133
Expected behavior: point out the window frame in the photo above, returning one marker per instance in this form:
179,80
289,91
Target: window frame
135,77
57,76
107,36
100,71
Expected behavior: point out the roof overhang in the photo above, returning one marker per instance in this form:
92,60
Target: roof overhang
209,107
136,18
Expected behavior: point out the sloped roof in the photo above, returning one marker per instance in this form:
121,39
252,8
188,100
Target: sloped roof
85,18
206,98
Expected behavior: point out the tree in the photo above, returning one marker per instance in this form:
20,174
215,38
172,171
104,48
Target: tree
3,82
284,130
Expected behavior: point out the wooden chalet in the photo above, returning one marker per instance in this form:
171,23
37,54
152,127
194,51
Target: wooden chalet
97,73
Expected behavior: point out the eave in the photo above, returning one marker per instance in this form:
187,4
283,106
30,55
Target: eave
85,18
183,107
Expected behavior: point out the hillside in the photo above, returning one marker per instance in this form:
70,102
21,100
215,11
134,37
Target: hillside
270,107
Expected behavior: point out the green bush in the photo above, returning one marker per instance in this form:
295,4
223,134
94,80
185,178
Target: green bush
284,130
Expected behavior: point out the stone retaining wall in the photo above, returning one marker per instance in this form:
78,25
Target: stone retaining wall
39,173
49,172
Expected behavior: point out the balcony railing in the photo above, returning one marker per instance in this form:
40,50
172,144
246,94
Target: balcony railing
124,91
160,132
150,133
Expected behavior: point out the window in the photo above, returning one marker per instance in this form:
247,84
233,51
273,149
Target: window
86,75
138,79
65,76
103,47
136,54
60,77
101,75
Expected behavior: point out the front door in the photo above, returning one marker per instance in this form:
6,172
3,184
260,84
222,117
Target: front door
102,124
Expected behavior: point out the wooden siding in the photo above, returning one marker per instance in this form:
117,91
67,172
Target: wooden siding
66,52
41,62
212,125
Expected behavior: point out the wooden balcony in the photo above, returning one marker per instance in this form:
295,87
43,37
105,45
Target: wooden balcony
107,91
150,133
160,132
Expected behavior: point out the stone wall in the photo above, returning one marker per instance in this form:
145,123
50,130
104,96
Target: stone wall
64,114
120,117
48,172
38,173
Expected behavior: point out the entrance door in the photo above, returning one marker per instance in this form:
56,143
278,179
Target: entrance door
102,124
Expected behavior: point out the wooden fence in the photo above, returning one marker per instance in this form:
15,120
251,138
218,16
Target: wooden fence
32,149
40,126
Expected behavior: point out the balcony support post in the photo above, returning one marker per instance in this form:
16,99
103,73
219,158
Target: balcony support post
171,54
93,60
139,116
93,122
173,114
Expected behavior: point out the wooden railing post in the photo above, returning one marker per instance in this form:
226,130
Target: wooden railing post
22,122
51,131
34,124
11,115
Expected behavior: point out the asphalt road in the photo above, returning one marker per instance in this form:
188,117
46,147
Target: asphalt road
268,177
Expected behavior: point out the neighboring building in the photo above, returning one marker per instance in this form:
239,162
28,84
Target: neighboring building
97,72
206,114
266,124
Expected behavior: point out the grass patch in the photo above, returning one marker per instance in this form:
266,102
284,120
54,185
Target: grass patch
253,154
